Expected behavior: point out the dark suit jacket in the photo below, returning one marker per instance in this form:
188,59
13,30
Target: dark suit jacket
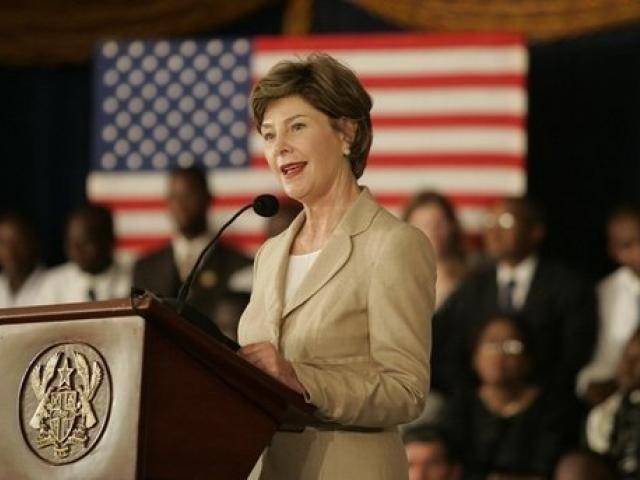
560,312
210,292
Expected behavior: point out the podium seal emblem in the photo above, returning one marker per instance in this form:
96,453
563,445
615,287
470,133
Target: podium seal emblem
65,399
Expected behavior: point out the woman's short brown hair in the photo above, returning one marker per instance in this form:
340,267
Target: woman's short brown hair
328,86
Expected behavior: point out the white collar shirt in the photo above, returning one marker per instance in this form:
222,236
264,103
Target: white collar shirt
68,283
186,251
29,293
619,304
521,274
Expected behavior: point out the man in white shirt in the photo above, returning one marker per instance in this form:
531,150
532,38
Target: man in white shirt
91,273
619,299
21,279
221,289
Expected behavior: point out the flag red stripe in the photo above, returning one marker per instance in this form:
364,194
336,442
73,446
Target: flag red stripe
439,81
386,42
432,160
150,243
232,201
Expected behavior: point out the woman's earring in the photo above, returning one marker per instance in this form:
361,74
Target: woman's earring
346,151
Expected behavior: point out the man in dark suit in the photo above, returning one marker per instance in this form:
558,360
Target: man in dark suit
221,290
558,307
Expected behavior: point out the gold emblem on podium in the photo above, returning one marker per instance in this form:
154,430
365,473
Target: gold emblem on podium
64,402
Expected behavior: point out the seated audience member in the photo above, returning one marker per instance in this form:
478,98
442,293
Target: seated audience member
613,426
582,465
619,303
21,278
557,306
508,427
215,291
430,454
91,272
435,216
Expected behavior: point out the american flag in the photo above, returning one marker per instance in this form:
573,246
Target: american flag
448,114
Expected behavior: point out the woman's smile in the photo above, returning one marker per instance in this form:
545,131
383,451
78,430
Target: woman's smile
292,169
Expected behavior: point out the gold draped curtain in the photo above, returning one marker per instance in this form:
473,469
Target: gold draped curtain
536,19
51,32
48,32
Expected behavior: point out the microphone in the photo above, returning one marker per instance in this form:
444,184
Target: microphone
264,205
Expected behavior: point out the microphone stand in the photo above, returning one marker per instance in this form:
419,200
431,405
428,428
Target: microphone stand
263,205
186,286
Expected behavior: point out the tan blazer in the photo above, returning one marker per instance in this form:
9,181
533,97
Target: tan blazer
358,334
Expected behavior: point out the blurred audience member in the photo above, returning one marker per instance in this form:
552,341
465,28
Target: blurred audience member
619,299
430,454
435,216
558,307
508,427
91,272
613,426
21,278
582,465
281,220
214,292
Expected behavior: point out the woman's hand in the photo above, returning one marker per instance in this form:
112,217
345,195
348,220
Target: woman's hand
265,356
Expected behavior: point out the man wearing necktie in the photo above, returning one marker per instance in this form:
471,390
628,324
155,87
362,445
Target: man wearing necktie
558,306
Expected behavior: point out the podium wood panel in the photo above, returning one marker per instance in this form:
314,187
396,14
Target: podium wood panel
205,412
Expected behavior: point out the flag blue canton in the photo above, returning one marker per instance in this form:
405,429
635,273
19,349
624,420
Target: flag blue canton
171,103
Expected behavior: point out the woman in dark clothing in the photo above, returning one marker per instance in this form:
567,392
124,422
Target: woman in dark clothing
508,428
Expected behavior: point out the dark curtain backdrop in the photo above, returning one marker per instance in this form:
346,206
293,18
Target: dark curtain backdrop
584,138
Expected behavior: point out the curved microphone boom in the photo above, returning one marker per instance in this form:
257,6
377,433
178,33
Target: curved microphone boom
264,205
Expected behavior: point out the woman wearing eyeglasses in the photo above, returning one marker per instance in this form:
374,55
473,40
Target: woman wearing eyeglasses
508,427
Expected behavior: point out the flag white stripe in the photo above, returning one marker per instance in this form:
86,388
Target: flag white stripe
154,224
406,102
487,181
382,180
509,141
494,140
394,63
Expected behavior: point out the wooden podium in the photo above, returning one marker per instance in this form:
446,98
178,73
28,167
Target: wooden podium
127,389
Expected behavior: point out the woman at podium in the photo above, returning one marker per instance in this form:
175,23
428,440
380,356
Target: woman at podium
342,300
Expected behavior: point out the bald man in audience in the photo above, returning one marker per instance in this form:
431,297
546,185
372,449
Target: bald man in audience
91,272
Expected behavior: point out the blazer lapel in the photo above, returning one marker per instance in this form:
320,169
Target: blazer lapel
331,259
278,263
336,252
